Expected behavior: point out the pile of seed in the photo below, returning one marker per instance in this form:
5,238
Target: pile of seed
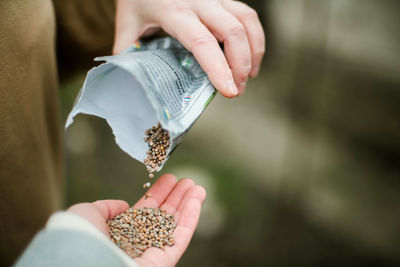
138,229
158,140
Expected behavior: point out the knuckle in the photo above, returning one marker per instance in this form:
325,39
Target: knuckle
236,28
200,39
250,14
243,74
260,51
246,70
178,6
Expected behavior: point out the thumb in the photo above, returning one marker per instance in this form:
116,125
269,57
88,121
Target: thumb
110,208
127,29
98,212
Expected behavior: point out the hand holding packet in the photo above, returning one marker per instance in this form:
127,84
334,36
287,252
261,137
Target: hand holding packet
149,83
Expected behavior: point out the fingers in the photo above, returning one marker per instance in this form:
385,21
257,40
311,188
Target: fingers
188,221
177,194
187,217
191,32
189,212
199,29
255,34
110,208
231,32
196,192
185,229
159,192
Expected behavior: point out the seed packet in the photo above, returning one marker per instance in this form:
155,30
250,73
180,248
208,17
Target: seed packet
149,83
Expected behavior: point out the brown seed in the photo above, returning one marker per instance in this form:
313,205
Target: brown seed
134,238
157,139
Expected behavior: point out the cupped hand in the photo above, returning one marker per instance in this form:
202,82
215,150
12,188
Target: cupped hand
200,26
182,199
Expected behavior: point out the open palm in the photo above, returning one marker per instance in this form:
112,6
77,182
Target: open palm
182,199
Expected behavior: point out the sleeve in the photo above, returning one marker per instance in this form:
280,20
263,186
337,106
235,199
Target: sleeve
85,29
69,240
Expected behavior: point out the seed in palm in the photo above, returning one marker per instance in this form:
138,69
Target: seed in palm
136,230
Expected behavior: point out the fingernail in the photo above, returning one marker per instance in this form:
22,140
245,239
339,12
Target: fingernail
232,87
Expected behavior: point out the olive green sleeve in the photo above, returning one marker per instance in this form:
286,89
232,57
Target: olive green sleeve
85,29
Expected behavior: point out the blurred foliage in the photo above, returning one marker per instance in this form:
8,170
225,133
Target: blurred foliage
301,170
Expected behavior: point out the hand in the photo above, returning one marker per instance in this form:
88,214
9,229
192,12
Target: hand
182,199
199,26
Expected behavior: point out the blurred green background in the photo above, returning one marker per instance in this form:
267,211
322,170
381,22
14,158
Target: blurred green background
303,169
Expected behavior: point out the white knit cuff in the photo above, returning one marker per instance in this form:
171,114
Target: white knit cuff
63,220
